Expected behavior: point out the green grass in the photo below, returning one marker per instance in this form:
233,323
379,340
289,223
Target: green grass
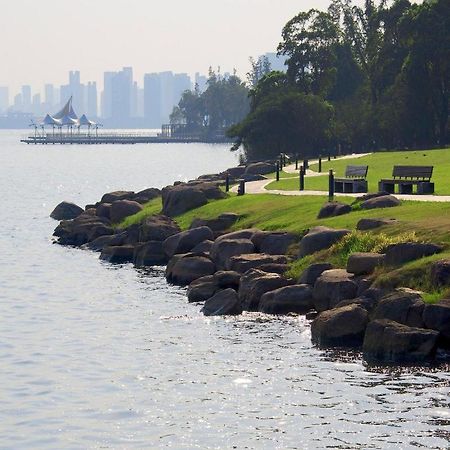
380,166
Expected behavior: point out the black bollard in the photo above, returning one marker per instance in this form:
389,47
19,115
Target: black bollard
278,171
296,162
241,188
305,165
227,182
331,186
302,178
329,157
320,164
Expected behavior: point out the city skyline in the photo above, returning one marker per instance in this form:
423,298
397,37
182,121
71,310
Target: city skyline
49,40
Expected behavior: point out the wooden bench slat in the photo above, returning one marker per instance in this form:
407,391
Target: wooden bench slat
424,172
356,171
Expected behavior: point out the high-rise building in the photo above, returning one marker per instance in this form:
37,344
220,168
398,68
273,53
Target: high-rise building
4,99
122,83
36,104
18,102
181,83
201,81
49,96
107,95
152,100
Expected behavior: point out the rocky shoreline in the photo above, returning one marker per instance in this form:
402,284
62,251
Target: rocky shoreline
245,270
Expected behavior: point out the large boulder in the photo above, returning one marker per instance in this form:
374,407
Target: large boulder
185,241
66,211
178,199
340,327
211,190
246,233
242,263
274,268
372,223
100,230
146,195
382,201
227,279
403,306
320,238
391,342
255,283
364,263
117,195
289,299
440,273
332,209
223,249
101,242
333,286
149,253
157,228
437,317
123,208
217,225
203,247
103,210
235,172
118,254
184,269
78,231
202,289
402,253
312,272
273,243
260,168
223,303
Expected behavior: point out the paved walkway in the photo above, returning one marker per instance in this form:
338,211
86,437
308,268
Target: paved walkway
258,187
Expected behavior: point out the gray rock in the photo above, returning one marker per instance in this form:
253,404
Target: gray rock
223,303
123,208
289,299
332,209
364,263
100,230
157,228
340,327
103,210
150,253
217,225
260,168
371,224
320,238
398,254
274,268
223,249
98,244
66,211
118,254
202,289
383,201
235,172
184,269
403,306
440,273
273,243
178,199
312,272
390,342
332,287
254,284
247,233
146,195
117,195
242,263
203,247
227,279
185,241
437,317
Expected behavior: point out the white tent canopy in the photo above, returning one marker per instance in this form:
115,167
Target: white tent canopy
49,120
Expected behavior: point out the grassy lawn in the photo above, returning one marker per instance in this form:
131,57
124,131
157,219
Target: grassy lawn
427,222
380,166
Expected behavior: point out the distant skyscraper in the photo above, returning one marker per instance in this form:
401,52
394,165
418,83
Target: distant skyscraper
4,99
122,83
91,89
26,98
152,100
77,92
18,102
181,83
201,81
49,95
36,104
107,95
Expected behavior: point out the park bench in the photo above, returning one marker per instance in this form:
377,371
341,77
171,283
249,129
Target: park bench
407,177
353,181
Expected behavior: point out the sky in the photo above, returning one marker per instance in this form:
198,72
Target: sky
40,41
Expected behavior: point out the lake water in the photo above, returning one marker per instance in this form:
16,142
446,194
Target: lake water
100,356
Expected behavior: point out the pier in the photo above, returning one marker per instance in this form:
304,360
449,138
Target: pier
116,137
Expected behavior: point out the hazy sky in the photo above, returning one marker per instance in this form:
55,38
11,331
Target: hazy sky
40,41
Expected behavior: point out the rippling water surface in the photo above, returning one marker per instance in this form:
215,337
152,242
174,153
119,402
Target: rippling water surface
100,356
